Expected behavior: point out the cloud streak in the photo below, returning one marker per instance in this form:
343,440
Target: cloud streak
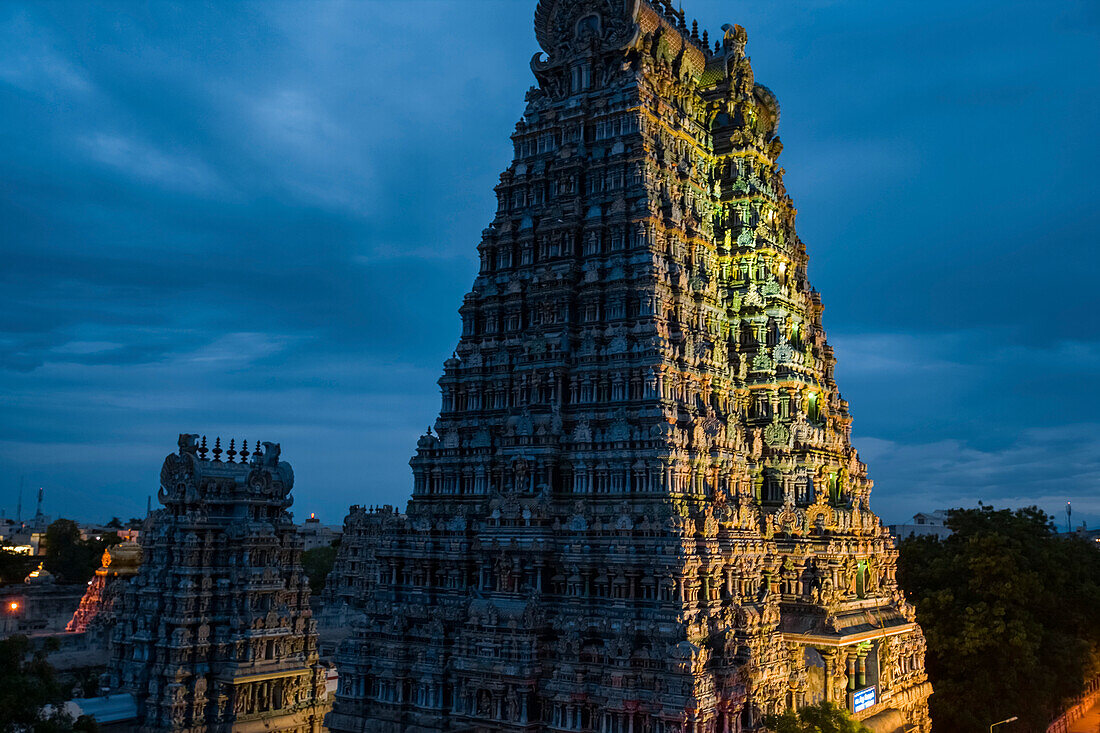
1046,467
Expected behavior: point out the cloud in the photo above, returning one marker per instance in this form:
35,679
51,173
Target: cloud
260,220
31,59
1001,433
145,163
1045,467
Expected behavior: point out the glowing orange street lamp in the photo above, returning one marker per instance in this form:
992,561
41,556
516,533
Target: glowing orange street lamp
14,606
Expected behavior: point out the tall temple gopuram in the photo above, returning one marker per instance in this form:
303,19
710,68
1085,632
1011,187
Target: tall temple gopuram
215,634
639,510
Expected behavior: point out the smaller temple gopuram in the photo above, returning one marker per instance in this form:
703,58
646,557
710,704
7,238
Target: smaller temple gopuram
99,607
356,570
215,632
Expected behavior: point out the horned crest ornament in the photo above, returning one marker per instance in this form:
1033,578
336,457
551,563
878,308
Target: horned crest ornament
568,28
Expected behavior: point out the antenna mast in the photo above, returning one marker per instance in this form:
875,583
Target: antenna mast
38,519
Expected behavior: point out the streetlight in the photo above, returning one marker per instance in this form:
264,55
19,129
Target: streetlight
1014,717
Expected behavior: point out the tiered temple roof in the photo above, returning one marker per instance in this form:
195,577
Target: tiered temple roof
639,509
215,632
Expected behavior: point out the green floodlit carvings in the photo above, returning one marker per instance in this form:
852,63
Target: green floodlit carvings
813,408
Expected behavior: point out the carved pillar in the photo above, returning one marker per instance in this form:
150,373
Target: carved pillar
851,677
828,657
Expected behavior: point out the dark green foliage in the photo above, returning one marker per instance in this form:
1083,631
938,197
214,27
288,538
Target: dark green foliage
318,564
824,717
27,685
1011,612
14,566
65,557
115,523
71,559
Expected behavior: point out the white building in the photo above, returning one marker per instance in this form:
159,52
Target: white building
314,534
923,525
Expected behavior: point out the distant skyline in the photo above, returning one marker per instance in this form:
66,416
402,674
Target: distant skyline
258,221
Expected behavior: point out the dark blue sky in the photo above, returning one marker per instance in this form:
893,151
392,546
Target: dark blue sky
259,221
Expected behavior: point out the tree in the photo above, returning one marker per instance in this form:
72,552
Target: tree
115,523
318,564
824,717
65,557
70,558
14,566
30,696
1011,612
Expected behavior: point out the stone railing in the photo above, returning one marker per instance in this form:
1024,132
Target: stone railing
1083,705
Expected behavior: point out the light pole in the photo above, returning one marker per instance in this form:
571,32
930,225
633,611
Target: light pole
1014,717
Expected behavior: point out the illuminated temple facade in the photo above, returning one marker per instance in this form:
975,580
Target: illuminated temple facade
215,632
98,608
639,510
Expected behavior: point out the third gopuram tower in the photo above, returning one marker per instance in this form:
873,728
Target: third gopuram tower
639,510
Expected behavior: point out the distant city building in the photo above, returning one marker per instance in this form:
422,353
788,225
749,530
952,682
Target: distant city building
315,535
215,632
923,525
1084,532
100,532
24,539
38,605
640,509
30,540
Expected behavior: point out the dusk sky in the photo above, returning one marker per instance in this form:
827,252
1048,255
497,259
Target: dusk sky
258,221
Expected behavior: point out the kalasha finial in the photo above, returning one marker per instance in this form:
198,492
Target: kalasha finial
706,40
244,451
232,452
202,449
257,453
695,30
217,450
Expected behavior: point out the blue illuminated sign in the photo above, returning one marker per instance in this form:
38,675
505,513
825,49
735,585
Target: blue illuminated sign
863,699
